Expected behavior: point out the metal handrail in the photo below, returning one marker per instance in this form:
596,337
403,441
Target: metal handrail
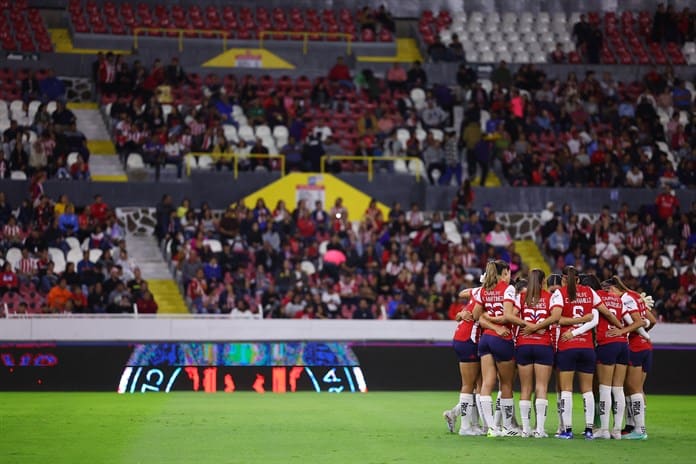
305,37
224,35
370,162
235,157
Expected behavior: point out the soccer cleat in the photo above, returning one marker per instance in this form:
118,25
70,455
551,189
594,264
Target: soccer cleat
635,435
493,433
538,434
588,434
525,434
628,429
511,432
478,431
450,419
600,434
616,435
567,435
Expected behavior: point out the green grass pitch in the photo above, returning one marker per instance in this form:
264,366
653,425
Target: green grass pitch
403,427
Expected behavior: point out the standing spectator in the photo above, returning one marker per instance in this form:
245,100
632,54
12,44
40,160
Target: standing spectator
594,44
667,204
659,24
581,32
416,76
433,157
453,162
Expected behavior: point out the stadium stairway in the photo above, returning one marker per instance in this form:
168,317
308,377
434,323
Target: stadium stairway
531,255
148,257
104,164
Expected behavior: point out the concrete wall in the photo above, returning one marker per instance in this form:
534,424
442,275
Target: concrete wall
219,189
76,328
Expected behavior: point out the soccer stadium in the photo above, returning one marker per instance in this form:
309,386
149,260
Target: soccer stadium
298,231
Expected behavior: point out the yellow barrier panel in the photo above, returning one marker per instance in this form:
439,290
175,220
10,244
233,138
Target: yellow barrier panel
370,162
305,37
224,35
235,159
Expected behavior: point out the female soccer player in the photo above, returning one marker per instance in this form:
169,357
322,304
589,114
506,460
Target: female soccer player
612,354
496,347
534,350
639,361
465,344
553,283
580,314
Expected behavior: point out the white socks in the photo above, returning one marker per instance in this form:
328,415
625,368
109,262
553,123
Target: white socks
567,410
629,412
638,406
542,406
604,403
526,415
588,404
475,412
619,406
497,414
466,406
487,411
508,411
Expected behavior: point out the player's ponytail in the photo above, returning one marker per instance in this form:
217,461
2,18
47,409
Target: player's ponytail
534,287
491,273
571,281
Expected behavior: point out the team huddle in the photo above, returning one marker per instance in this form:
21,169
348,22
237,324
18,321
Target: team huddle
569,322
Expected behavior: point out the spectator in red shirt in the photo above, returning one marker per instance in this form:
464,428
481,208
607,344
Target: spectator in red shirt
9,282
340,74
99,209
146,303
667,204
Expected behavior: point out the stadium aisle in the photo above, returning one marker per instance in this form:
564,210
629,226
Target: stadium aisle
531,255
155,271
104,164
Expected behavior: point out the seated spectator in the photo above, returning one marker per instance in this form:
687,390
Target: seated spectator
80,169
340,74
52,88
172,155
146,303
396,77
59,298
558,55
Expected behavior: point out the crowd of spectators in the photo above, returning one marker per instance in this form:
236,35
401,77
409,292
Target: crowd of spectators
59,258
653,249
42,132
275,263
582,131
340,114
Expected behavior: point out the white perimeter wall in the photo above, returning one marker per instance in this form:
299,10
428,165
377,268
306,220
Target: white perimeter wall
77,329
